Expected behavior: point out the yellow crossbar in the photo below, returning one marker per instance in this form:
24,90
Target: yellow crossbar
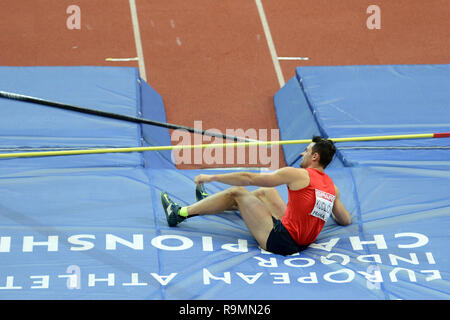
221,145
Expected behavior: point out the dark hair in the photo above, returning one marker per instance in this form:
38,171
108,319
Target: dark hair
325,148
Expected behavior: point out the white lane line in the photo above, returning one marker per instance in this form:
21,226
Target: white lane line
122,59
293,58
272,50
137,39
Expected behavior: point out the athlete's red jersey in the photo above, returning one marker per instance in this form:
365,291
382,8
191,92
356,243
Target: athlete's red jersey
309,208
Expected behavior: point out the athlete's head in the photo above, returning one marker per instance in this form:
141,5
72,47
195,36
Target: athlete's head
320,151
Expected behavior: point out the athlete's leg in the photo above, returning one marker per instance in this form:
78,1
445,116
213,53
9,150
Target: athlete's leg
215,203
269,196
272,199
256,215
254,212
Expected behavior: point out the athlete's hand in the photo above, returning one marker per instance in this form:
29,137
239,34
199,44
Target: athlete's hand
202,178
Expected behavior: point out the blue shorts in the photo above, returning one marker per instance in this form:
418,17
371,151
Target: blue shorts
280,240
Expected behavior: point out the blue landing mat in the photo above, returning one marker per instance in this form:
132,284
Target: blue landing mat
92,227
349,101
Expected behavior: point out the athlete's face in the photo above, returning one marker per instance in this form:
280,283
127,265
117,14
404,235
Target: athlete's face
307,156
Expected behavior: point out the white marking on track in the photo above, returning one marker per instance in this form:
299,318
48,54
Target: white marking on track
270,43
293,58
137,39
122,59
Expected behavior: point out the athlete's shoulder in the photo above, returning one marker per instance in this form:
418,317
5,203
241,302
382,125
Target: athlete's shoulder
293,171
299,177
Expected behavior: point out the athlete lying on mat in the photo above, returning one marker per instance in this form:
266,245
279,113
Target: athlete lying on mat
277,227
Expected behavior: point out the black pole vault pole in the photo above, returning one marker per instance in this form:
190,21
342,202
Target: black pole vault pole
20,97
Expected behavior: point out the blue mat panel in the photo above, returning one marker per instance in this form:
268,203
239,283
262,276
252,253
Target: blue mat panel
152,107
296,122
25,126
349,101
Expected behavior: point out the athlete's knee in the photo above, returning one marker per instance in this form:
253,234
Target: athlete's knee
237,191
263,192
259,193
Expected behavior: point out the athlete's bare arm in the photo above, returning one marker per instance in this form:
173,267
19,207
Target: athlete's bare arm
340,214
293,177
